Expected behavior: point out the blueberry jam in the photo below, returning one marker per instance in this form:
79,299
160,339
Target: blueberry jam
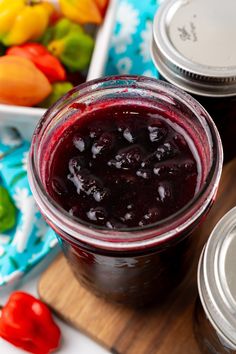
122,167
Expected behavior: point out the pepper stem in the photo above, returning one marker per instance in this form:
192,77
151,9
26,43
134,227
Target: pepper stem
32,2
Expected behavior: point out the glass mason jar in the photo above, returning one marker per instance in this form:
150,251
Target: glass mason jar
139,265
188,54
215,310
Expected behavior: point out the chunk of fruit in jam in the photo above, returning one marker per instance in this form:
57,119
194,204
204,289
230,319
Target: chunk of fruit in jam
123,166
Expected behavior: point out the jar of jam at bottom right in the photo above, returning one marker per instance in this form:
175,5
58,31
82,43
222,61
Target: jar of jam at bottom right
215,310
199,60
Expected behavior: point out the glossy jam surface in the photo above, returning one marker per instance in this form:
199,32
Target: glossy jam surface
122,167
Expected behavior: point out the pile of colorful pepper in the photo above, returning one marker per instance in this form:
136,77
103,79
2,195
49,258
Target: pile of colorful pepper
44,51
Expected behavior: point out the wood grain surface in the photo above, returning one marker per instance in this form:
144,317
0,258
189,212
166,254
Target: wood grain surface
164,329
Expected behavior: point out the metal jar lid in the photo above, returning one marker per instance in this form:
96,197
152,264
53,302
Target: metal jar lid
217,278
194,47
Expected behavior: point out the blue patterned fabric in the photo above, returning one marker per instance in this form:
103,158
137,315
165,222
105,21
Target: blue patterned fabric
130,44
31,239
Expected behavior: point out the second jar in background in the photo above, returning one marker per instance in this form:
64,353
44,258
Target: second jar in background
193,47
215,320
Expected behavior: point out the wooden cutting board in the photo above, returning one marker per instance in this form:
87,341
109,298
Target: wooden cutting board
164,329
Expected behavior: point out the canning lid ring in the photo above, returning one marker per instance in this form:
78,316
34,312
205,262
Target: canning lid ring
176,67
216,285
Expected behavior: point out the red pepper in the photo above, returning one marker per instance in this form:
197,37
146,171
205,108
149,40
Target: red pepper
41,58
27,323
102,5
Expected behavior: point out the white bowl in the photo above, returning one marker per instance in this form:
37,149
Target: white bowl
26,118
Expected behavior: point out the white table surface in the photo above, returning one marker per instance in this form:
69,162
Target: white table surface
73,341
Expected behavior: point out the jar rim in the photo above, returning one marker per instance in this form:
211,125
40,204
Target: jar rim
147,235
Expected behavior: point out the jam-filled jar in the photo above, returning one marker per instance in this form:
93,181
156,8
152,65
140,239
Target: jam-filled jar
215,311
193,47
123,169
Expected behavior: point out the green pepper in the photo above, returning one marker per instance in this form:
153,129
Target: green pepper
2,49
58,90
70,44
7,211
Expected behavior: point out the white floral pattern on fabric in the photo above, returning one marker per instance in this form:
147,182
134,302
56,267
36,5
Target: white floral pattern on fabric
128,20
4,239
124,65
33,257
2,251
10,138
20,197
145,45
41,228
131,38
24,245
53,243
147,73
25,160
11,278
26,204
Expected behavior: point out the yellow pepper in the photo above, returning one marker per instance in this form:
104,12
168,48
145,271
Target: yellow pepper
81,11
23,20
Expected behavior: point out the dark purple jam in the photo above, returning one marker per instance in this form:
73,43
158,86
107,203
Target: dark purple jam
122,167
223,112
